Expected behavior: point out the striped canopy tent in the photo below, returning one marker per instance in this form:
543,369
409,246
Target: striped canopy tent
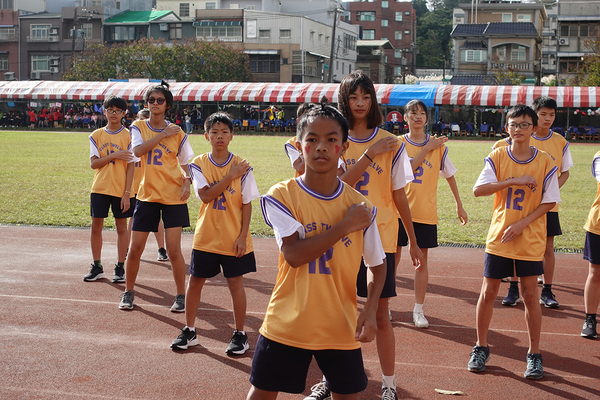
565,96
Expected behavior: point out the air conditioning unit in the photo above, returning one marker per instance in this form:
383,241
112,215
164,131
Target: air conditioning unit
53,31
35,75
54,62
563,41
53,38
9,76
54,70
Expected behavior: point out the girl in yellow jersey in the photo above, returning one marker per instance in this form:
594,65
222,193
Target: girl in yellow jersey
164,189
429,160
591,252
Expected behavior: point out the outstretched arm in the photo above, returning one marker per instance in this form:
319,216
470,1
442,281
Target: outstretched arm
401,202
460,211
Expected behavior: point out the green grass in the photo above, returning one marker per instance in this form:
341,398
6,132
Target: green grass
45,179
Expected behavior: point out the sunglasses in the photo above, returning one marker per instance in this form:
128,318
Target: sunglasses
159,101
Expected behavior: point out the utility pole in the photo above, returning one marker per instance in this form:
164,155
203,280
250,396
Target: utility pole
74,35
330,75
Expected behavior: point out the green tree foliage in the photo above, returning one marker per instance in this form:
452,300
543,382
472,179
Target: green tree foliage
185,61
433,38
589,73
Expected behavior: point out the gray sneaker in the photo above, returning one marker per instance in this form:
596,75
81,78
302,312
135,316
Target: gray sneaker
126,300
179,304
388,393
119,274
479,357
94,274
162,255
320,391
535,370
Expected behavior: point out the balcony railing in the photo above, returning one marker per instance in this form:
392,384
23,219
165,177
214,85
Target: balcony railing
43,39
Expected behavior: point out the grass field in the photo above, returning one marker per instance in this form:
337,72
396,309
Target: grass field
45,179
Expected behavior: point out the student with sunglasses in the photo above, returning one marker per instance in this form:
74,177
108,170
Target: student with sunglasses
164,150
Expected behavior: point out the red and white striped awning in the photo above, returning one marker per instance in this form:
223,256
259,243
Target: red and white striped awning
565,96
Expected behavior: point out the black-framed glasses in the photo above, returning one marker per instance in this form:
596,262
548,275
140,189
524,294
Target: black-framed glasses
522,125
159,100
112,111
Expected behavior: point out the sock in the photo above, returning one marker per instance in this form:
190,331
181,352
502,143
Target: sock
120,264
514,285
97,263
242,332
192,328
547,287
591,316
418,308
389,381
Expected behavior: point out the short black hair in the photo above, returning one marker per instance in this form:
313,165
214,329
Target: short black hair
221,117
415,105
162,88
521,110
544,102
350,84
323,110
115,101
145,112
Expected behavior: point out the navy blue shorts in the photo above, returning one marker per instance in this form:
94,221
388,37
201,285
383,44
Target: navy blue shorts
206,265
552,224
101,203
280,368
146,216
426,235
389,287
591,249
497,267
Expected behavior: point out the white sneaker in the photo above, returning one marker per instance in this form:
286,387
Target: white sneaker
420,320
390,313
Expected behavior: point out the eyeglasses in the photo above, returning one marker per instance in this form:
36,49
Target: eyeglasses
111,111
159,101
522,125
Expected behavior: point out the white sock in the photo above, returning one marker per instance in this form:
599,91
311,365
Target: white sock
192,328
389,381
418,308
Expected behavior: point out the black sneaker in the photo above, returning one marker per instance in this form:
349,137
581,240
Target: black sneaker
589,328
126,300
94,274
320,391
479,357
119,274
388,393
162,254
238,344
512,298
535,370
185,339
548,300
179,304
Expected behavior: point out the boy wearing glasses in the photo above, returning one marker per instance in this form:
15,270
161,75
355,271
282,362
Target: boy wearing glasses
524,183
112,159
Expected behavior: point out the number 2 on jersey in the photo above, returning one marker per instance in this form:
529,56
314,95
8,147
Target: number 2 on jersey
516,202
219,203
156,159
323,269
362,183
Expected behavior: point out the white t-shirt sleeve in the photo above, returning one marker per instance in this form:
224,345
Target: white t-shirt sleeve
249,188
185,151
136,136
278,217
551,192
373,253
448,169
198,178
487,175
292,153
567,159
94,148
402,173
596,168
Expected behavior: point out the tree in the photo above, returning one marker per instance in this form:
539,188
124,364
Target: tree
187,61
589,72
500,75
433,38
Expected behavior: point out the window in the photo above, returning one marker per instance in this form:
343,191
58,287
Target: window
574,31
523,17
399,16
320,37
398,35
564,30
285,33
385,4
211,6
4,62
507,17
88,30
369,34
349,42
40,63
397,53
175,31
40,32
223,33
365,15
406,12
312,35
518,53
6,4
264,33
264,63
184,9
583,30
7,33
407,32
397,71
473,56
501,53
384,22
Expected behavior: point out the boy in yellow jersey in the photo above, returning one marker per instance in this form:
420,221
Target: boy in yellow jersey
112,159
225,184
323,228
429,160
164,150
591,252
524,183
558,148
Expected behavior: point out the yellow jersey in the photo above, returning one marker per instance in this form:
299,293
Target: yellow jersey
593,221
111,178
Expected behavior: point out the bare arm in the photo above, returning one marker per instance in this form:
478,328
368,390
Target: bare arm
563,178
145,147
354,173
517,228
185,187
298,252
240,243
401,202
366,325
99,162
460,211
209,193
433,143
493,187
125,203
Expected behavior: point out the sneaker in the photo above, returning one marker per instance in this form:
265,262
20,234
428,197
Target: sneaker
512,298
534,366
548,300
179,304
479,357
94,274
185,339
387,393
238,344
390,314
162,254
420,320
126,300
320,391
119,274
589,328
540,280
